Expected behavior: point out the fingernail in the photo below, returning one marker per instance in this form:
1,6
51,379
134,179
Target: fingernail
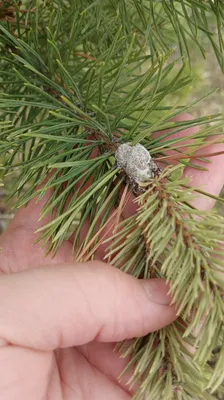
157,291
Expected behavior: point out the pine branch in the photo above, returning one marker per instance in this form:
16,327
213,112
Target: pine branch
182,245
78,82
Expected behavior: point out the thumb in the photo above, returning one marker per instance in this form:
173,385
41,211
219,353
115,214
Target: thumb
68,305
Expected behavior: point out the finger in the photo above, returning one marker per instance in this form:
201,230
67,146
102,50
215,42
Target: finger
76,365
210,181
63,306
104,357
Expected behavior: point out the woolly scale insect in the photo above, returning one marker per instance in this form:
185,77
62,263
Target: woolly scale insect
137,164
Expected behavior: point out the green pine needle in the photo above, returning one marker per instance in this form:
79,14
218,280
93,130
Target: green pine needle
76,80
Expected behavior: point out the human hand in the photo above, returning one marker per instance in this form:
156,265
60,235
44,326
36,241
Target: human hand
59,320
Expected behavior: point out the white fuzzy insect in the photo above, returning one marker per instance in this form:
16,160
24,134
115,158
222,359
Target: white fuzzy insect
136,162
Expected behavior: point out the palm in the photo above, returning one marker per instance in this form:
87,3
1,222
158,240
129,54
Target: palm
73,373
84,372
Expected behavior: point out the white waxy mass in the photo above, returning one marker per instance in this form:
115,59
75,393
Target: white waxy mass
135,161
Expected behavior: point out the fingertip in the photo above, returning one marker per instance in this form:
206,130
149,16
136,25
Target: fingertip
157,290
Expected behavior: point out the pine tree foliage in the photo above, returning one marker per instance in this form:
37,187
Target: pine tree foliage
167,240
77,80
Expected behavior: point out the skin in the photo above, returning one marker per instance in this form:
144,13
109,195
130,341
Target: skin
59,320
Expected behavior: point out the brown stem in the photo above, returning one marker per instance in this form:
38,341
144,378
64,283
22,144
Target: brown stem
84,55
